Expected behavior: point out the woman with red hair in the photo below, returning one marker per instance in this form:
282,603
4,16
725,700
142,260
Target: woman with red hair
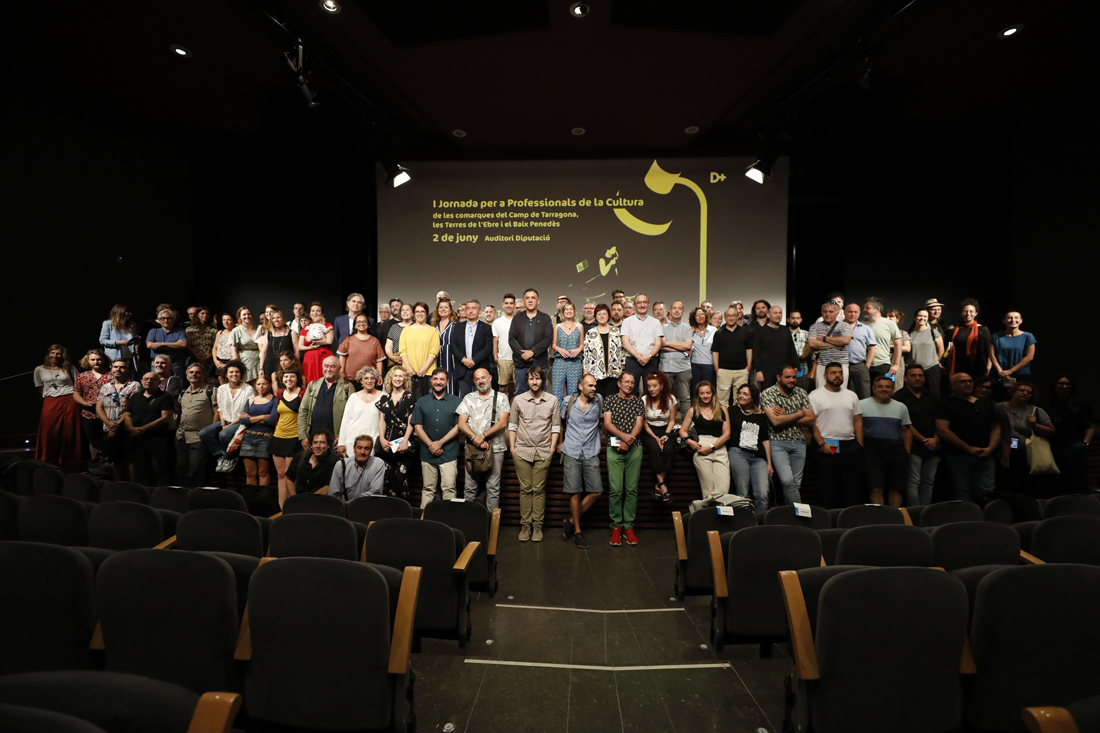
657,437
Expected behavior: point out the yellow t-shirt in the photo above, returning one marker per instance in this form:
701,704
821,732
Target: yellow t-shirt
418,344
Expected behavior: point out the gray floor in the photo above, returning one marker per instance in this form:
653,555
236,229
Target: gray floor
738,693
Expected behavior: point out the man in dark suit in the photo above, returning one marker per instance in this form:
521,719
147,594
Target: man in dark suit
344,326
472,347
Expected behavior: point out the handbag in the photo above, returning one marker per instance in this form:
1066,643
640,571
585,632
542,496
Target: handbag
1040,458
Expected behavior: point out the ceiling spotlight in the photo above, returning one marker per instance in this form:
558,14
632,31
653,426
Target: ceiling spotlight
180,51
762,168
691,130
459,133
578,10
330,6
308,93
578,131
1010,31
398,174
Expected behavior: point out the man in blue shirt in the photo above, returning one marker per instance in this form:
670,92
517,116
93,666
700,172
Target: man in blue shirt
861,352
580,447
169,341
436,424
360,474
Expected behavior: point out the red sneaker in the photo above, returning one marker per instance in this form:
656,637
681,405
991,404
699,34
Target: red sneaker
631,539
616,537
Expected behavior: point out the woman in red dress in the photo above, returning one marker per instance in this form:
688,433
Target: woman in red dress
314,342
59,428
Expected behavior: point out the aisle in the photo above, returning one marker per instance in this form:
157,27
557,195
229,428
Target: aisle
563,627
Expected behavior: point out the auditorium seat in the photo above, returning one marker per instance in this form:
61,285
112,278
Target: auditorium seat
57,520
819,517
9,515
748,602
351,676
971,544
862,515
367,509
1070,504
48,607
124,491
444,608
171,616
1035,641
830,540
23,476
915,513
218,530
23,719
47,481
945,512
80,486
1082,716
884,545
120,703
848,667
172,498
209,498
1013,508
313,535
124,525
834,514
1065,539
693,572
314,504
477,524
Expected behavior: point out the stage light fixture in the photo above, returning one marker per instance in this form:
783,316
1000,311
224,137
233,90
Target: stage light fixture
180,51
398,174
1010,31
310,96
297,65
330,6
691,130
459,133
578,131
762,168
578,10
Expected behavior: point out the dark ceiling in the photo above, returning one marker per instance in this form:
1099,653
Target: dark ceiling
518,76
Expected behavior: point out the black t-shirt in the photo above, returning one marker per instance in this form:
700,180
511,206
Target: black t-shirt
923,414
748,432
731,347
970,421
979,366
144,410
306,478
1069,426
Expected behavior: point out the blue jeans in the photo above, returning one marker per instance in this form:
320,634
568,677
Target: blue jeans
922,475
750,471
788,460
216,439
971,477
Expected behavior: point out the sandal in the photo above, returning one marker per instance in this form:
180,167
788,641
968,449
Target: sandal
657,495
666,497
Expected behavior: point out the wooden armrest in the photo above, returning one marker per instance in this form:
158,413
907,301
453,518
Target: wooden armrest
823,561
97,637
215,713
401,643
494,531
968,666
243,652
1049,720
167,544
681,540
906,517
717,565
802,639
1028,559
467,555
276,515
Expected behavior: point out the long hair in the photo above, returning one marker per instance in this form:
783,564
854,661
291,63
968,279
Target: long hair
295,366
199,325
84,364
913,325
715,405
435,313
662,399
119,319
65,365
387,386
1073,401
238,316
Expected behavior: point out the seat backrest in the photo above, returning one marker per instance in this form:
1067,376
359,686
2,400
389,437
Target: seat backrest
945,512
205,498
57,520
80,486
861,653
915,513
998,510
367,509
830,540
314,504
812,580
1062,506
1035,640
430,545
220,530
1070,538
243,566
47,481
9,515
301,670
124,491
755,557
313,535
884,545
172,498
124,525
22,474
969,544
25,719
696,527
171,616
819,517
835,515
473,520
862,515
117,703
48,610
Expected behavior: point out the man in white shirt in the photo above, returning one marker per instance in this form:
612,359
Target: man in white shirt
475,421
502,352
838,433
676,359
643,339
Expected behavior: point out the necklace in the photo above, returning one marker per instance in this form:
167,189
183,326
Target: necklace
742,409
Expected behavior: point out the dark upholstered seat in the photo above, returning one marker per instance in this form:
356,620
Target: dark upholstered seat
967,544
314,504
207,498
1069,538
80,486
173,498
47,481
477,524
124,491
945,512
220,530
862,515
124,525
1071,504
693,572
367,509
57,520
884,545
313,535
819,517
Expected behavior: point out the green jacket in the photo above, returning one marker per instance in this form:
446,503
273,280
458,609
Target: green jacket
305,412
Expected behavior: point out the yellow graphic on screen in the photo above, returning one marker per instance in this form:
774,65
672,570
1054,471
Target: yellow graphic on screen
661,181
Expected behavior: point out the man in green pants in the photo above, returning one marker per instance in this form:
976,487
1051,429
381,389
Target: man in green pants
623,416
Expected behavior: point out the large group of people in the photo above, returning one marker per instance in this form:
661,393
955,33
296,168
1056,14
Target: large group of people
350,406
